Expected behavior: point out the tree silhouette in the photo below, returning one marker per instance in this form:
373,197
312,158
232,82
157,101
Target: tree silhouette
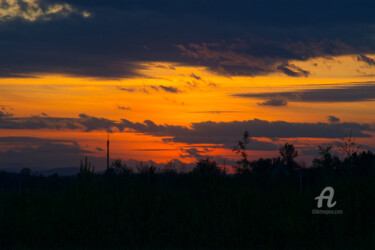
265,166
25,172
86,171
288,153
170,168
240,148
207,168
348,146
326,160
147,172
118,168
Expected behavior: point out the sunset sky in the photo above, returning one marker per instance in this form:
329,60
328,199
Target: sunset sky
182,80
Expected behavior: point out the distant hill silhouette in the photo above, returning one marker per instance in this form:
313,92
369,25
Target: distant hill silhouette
68,171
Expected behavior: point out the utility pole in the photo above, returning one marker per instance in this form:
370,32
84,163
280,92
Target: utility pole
107,151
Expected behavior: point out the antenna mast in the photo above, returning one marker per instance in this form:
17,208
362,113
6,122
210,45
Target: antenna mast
107,151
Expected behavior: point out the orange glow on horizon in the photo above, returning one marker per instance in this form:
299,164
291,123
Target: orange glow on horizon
178,95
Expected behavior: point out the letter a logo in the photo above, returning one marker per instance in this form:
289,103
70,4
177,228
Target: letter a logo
328,197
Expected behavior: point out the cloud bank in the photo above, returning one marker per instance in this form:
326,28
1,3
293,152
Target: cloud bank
230,38
224,133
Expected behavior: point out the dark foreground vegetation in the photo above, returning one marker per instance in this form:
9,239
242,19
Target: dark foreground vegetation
267,204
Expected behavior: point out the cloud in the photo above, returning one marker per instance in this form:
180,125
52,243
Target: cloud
153,149
192,84
333,119
131,90
147,89
292,70
30,140
195,76
258,56
83,122
4,114
274,103
39,153
34,10
223,133
216,112
228,133
195,153
357,93
154,88
170,89
192,153
220,132
124,108
237,43
366,59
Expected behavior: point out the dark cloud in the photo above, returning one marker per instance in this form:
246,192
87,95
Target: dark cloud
195,76
216,112
292,70
333,119
274,103
4,114
153,149
355,93
225,133
192,153
38,153
124,108
228,133
197,154
192,84
259,56
236,38
218,132
366,59
30,140
131,90
170,89
83,122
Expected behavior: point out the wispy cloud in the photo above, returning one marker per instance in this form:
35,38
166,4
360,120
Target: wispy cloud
357,93
193,153
170,89
33,10
124,108
195,76
130,90
292,70
274,103
366,59
216,112
333,119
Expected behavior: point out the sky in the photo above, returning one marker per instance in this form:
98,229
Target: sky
182,80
